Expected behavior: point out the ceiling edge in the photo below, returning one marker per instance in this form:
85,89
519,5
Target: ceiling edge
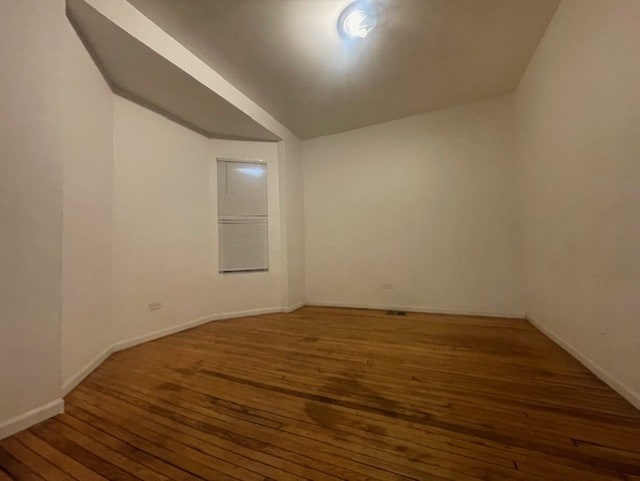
138,26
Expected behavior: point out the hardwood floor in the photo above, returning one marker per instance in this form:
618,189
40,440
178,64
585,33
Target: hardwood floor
337,394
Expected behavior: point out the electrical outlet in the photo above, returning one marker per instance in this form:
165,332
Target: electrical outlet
387,285
155,306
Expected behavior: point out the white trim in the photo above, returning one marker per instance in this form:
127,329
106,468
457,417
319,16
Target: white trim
119,346
624,391
295,307
30,418
241,161
428,310
77,378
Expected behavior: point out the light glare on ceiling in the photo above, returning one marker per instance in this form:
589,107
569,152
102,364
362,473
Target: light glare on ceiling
357,21
358,24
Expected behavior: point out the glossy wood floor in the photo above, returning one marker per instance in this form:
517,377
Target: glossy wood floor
337,394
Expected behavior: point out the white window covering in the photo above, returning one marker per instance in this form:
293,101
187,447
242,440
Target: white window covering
242,216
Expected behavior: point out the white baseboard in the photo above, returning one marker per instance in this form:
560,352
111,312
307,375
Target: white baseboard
77,378
31,418
152,336
625,391
295,307
429,310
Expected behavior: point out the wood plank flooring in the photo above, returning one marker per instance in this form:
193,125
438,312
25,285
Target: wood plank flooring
337,394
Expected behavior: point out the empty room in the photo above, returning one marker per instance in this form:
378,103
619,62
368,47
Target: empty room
327,240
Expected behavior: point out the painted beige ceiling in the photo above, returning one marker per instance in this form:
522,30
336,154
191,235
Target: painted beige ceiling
135,71
425,55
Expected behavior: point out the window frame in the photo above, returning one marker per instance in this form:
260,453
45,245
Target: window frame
257,219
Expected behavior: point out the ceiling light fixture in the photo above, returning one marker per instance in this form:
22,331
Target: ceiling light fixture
357,20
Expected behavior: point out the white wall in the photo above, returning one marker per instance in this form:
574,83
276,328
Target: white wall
88,194
66,268
292,202
426,204
165,227
106,206
578,106
30,206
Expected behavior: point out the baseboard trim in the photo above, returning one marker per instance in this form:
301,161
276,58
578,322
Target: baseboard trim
70,385
152,336
295,307
77,378
624,391
428,310
30,418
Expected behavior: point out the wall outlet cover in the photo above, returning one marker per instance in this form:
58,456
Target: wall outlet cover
155,306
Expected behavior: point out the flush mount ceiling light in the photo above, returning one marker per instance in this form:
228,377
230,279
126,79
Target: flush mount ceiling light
357,20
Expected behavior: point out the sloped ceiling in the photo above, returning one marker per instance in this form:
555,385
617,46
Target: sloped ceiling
425,55
137,72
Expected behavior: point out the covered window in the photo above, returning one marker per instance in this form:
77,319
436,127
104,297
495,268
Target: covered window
242,216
